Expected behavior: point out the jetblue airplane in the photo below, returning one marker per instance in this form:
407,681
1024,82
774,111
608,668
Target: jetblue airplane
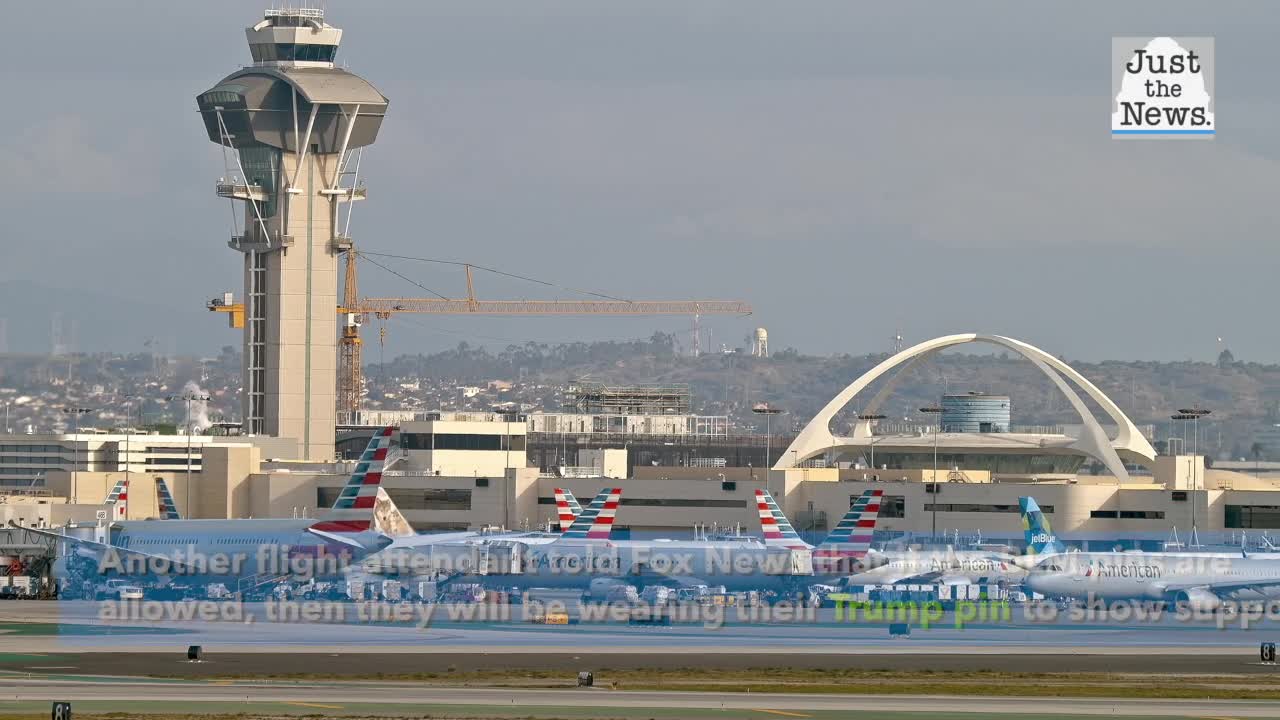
1037,531
221,549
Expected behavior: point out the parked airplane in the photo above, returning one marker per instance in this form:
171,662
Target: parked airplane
1201,581
584,557
453,552
851,559
221,549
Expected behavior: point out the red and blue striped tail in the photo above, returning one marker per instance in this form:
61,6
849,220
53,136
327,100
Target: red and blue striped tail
168,508
850,541
118,499
567,508
777,529
353,510
596,520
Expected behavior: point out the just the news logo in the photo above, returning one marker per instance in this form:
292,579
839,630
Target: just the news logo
1162,87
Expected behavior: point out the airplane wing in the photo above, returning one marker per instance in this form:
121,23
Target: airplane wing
1222,588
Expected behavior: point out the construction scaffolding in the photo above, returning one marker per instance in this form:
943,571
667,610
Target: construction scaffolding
596,398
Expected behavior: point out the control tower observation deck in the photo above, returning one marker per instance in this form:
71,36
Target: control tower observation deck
291,125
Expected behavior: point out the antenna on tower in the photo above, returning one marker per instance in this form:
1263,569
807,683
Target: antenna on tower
897,342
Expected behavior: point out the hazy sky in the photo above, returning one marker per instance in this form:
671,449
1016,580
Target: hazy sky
852,169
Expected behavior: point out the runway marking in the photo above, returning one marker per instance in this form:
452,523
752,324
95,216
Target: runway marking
314,705
782,712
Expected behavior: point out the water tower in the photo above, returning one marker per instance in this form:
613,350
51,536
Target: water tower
760,344
291,126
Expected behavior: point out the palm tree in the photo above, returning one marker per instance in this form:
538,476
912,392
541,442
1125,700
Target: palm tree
1256,450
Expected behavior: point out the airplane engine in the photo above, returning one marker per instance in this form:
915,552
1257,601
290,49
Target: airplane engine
1197,599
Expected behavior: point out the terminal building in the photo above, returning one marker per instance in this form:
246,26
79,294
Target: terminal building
471,470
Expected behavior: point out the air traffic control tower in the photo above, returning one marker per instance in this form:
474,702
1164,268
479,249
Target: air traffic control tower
291,126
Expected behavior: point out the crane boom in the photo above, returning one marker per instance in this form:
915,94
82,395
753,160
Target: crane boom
387,306
351,373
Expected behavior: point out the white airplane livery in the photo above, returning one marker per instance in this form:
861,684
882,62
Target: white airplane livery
847,556
239,548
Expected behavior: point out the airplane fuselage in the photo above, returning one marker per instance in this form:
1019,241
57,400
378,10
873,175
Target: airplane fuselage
1154,575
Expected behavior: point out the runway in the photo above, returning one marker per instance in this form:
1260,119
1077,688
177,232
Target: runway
78,627
358,663
355,698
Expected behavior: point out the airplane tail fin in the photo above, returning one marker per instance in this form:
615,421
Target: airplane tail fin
387,518
567,508
353,511
168,508
118,500
844,548
773,522
1036,530
596,520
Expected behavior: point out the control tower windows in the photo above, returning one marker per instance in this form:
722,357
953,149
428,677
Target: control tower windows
293,52
262,167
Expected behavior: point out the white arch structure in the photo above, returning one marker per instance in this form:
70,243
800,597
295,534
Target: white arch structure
816,438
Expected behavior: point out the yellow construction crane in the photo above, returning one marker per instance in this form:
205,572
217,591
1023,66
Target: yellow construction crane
353,309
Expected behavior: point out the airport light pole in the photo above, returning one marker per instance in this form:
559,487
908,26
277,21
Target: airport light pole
870,418
768,411
936,412
506,417
1194,414
189,398
76,412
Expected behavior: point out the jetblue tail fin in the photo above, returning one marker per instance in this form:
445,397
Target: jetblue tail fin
1036,530
850,541
596,520
354,508
168,508
777,529
567,508
118,500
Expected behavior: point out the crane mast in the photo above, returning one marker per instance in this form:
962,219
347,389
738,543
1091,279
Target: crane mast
350,380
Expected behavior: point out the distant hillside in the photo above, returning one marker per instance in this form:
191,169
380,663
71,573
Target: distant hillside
1244,397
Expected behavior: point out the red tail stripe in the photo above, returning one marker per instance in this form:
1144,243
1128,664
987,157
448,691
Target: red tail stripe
342,526
372,478
365,502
